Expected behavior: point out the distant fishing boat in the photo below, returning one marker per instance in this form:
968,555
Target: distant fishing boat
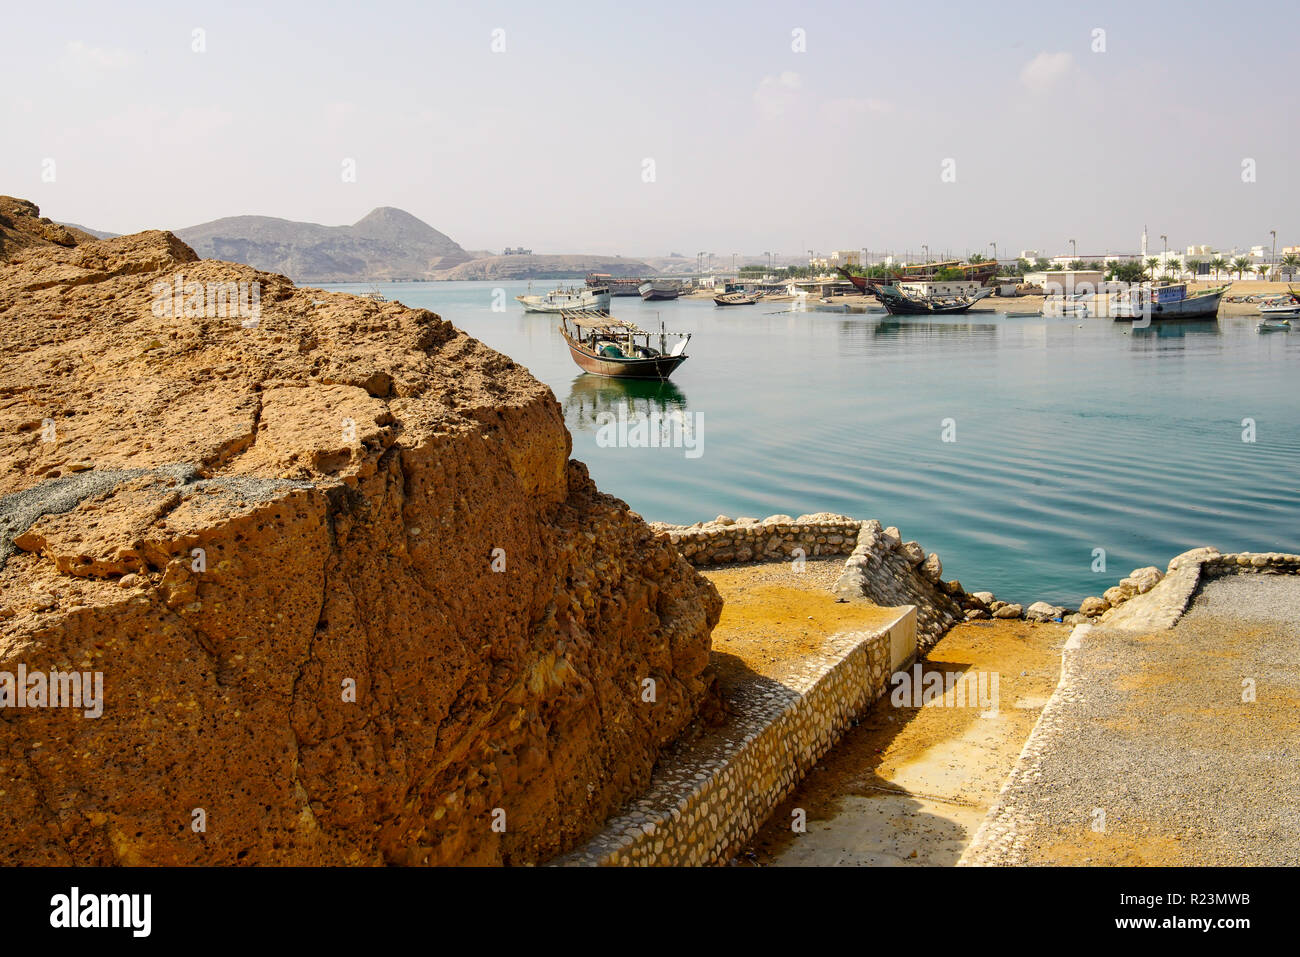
558,300
617,285
898,302
737,299
1281,307
1274,325
605,346
660,289
1168,302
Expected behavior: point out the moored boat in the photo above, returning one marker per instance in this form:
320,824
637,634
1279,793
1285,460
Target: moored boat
1170,301
901,303
558,300
605,346
617,285
1273,324
977,274
736,299
1281,307
660,289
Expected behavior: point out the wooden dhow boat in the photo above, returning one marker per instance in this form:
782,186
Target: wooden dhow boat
978,274
618,349
653,289
900,303
737,298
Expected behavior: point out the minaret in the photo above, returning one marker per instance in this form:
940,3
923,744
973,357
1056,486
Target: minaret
1144,242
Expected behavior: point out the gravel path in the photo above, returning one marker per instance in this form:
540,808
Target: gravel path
1148,754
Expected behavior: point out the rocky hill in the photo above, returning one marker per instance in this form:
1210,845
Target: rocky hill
348,597
546,267
22,225
386,244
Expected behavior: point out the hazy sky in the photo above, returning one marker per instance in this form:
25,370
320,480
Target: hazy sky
755,144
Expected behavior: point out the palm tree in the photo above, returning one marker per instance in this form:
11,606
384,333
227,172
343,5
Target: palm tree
1152,263
1217,263
1241,264
976,258
1291,261
1022,265
1173,267
1193,266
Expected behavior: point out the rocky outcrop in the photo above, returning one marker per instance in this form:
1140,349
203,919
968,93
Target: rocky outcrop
22,226
349,598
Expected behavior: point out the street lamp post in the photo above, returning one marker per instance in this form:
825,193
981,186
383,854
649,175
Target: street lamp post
926,250
1164,251
995,251
1272,261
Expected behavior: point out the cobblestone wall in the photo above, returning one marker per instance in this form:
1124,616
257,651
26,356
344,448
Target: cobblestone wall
709,797
725,540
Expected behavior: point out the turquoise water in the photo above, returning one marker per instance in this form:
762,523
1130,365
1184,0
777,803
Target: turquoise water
1070,435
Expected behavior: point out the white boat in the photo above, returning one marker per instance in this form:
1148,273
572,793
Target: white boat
1273,324
559,300
1286,308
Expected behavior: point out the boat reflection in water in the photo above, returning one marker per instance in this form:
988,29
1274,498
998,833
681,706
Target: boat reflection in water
590,395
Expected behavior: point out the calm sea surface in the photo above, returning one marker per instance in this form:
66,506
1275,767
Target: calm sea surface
1071,435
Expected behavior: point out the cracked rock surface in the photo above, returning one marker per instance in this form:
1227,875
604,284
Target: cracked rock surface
280,546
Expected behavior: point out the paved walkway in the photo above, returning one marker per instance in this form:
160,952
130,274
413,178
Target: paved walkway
1151,751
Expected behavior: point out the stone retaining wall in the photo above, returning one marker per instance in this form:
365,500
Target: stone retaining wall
725,540
711,796
1151,601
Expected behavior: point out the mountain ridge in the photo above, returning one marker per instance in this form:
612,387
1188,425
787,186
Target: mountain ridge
386,243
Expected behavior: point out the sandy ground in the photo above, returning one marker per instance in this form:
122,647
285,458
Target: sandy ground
908,785
773,616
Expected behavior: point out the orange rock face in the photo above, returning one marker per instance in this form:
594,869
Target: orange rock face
350,600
